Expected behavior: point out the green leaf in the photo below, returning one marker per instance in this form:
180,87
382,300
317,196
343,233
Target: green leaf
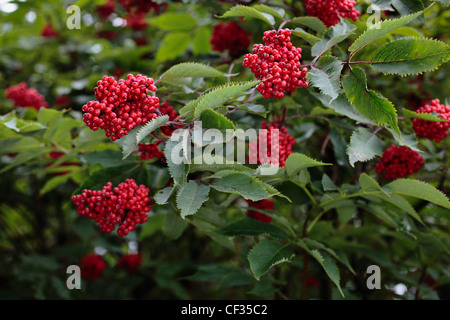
252,228
54,182
363,146
130,142
299,32
25,157
248,12
201,43
329,266
409,56
207,164
368,103
266,254
407,6
325,75
191,197
178,171
212,119
174,225
173,45
190,70
106,158
246,186
278,13
257,109
189,107
406,140
424,116
214,98
419,189
311,22
298,161
380,29
337,254
400,203
163,195
342,106
368,183
174,21
328,184
333,36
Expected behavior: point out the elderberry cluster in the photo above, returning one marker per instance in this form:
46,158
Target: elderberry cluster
130,262
92,266
433,130
106,10
166,109
229,37
265,204
150,151
399,161
48,31
277,63
274,154
22,96
121,106
125,206
329,10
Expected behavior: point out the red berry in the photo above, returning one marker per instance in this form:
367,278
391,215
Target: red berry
229,37
22,96
121,106
277,63
399,161
125,206
150,151
280,152
265,204
329,10
130,262
433,130
107,9
92,266
48,31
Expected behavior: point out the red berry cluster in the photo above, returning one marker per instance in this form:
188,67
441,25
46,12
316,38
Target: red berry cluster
433,130
92,266
399,161
329,10
130,262
166,109
22,96
150,151
140,6
125,205
265,204
230,37
48,31
276,154
107,9
277,63
121,106
62,100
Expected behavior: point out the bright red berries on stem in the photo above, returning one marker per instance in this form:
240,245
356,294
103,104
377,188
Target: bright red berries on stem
276,154
277,63
265,204
22,96
121,106
125,206
399,161
130,262
150,151
92,266
433,130
329,10
231,37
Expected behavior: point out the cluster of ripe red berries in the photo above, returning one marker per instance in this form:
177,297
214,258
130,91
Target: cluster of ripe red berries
22,96
93,265
265,204
150,151
263,151
329,10
433,130
121,106
130,262
125,205
229,37
48,31
277,63
399,161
